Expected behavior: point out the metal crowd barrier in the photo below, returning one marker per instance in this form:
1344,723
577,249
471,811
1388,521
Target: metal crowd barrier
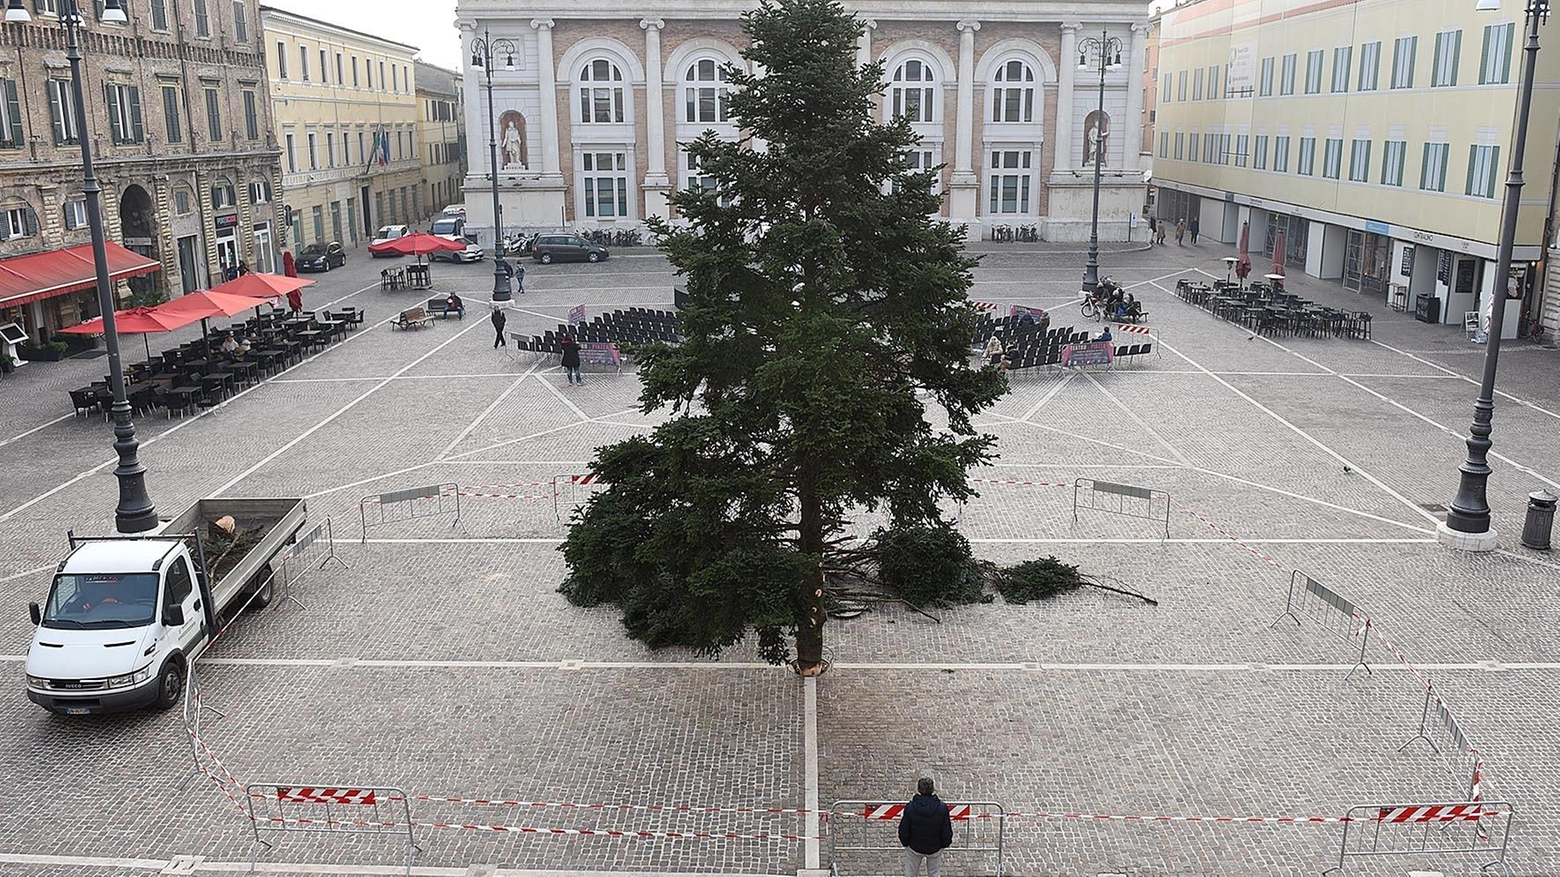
573,483
286,808
867,827
1332,611
310,552
411,503
1122,499
1458,755
1468,828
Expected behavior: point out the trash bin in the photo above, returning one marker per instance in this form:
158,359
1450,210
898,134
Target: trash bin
1540,520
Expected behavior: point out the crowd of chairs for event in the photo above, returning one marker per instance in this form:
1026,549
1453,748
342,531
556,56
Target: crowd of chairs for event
633,326
1027,346
199,375
1265,309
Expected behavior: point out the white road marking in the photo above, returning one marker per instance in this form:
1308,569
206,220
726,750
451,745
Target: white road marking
1133,416
1050,394
810,770
486,411
1462,377
21,435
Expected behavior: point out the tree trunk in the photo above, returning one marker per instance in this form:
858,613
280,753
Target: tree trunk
809,628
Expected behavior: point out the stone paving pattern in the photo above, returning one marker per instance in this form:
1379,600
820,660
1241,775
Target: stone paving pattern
443,660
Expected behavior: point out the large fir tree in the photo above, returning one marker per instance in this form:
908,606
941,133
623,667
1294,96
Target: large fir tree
822,298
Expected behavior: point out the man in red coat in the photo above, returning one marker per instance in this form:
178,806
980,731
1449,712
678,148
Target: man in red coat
289,266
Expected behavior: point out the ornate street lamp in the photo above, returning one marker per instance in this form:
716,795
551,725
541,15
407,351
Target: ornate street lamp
134,513
483,49
1468,520
1108,51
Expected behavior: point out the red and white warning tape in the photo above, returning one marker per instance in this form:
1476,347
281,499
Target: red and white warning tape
648,808
1015,483
1238,541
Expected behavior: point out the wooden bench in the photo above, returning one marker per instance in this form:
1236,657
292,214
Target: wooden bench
413,318
440,308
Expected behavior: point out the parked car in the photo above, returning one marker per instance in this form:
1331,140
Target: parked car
566,248
455,210
472,253
388,233
322,257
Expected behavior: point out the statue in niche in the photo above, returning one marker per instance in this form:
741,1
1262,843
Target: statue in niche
511,134
1096,133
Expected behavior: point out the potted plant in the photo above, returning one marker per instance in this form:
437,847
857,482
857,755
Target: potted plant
7,364
53,351
75,344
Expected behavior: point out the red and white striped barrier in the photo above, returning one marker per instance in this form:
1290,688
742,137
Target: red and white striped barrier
1432,813
1133,329
1011,482
894,811
307,795
985,305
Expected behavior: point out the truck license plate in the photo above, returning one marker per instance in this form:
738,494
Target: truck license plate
78,711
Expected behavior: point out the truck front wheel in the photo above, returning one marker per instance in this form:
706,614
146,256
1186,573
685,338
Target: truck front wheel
170,685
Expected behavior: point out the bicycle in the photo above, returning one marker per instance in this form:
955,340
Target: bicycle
1531,326
1091,309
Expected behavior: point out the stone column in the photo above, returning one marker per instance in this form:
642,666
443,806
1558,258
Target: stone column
963,185
864,42
657,185
1132,146
548,83
1066,68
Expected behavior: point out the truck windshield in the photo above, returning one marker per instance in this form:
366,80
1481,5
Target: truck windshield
446,226
100,600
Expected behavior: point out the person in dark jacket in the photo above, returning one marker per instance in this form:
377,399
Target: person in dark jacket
925,830
498,319
571,358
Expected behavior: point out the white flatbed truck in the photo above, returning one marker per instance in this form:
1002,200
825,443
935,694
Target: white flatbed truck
126,614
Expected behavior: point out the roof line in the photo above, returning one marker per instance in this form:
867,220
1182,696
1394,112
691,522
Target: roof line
334,26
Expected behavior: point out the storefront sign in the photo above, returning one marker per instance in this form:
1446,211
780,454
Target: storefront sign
1408,261
1443,267
1090,353
137,242
1380,228
1241,77
228,221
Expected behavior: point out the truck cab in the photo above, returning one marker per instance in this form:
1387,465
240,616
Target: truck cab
121,621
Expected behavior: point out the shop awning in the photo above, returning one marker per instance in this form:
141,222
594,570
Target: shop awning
44,275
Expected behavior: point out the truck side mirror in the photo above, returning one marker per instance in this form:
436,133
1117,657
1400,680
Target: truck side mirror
36,613
173,616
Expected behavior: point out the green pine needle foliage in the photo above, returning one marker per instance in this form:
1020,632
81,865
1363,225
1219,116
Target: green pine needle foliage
928,565
822,298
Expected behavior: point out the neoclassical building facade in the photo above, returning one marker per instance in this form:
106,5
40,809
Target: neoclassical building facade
592,118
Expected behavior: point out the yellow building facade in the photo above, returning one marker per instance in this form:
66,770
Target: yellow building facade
346,116
1374,134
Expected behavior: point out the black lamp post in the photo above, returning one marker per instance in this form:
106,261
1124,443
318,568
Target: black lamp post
1468,519
134,513
1108,49
483,49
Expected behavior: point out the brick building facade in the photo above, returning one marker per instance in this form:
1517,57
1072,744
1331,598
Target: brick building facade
995,91
181,133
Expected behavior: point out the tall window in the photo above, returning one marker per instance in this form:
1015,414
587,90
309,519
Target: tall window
1313,72
325,69
601,92
159,14
240,21
251,115
1495,63
1197,84
704,92
1286,79
18,222
1265,80
354,72
213,115
605,184
1180,145
913,91
1332,158
1448,49
1343,58
303,62
1359,161
75,214
1213,83
1194,142
1281,153
223,195
1392,154
1370,65
1403,51
1180,87
314,153
1164,91
340,79
1242,147
1307,163
11,133
1483,165
62,112
395,78
1432,170
1010,179
1013,93
281,59
292,152
202,19
1164,144
1259,150
124,113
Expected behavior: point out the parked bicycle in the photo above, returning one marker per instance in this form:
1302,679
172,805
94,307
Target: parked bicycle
1009,234
1531,326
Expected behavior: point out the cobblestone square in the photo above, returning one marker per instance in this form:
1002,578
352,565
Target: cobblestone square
439,658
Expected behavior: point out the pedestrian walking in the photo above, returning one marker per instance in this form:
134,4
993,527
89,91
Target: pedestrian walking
498,319
295,301
925,830
1180,232
518,272
571,359
1194,229
1153,227
289,265
1163,227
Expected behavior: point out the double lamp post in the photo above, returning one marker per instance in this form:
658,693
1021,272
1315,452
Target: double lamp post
1107,49
135,513
483,49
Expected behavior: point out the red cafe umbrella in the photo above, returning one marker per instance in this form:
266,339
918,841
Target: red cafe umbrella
419,244
1243,267
1278,253
262,285
203,304
136,321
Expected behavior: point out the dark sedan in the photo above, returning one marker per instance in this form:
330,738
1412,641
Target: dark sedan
322,257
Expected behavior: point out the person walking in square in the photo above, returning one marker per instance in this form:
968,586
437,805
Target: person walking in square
1180,232
1163,228
925,830
1194,229
1153,227
571,359
498,319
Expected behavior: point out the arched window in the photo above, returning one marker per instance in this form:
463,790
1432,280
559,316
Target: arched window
601,92
913,90
1013,93
704,92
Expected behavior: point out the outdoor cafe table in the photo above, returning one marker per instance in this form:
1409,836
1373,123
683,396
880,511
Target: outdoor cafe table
312,338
